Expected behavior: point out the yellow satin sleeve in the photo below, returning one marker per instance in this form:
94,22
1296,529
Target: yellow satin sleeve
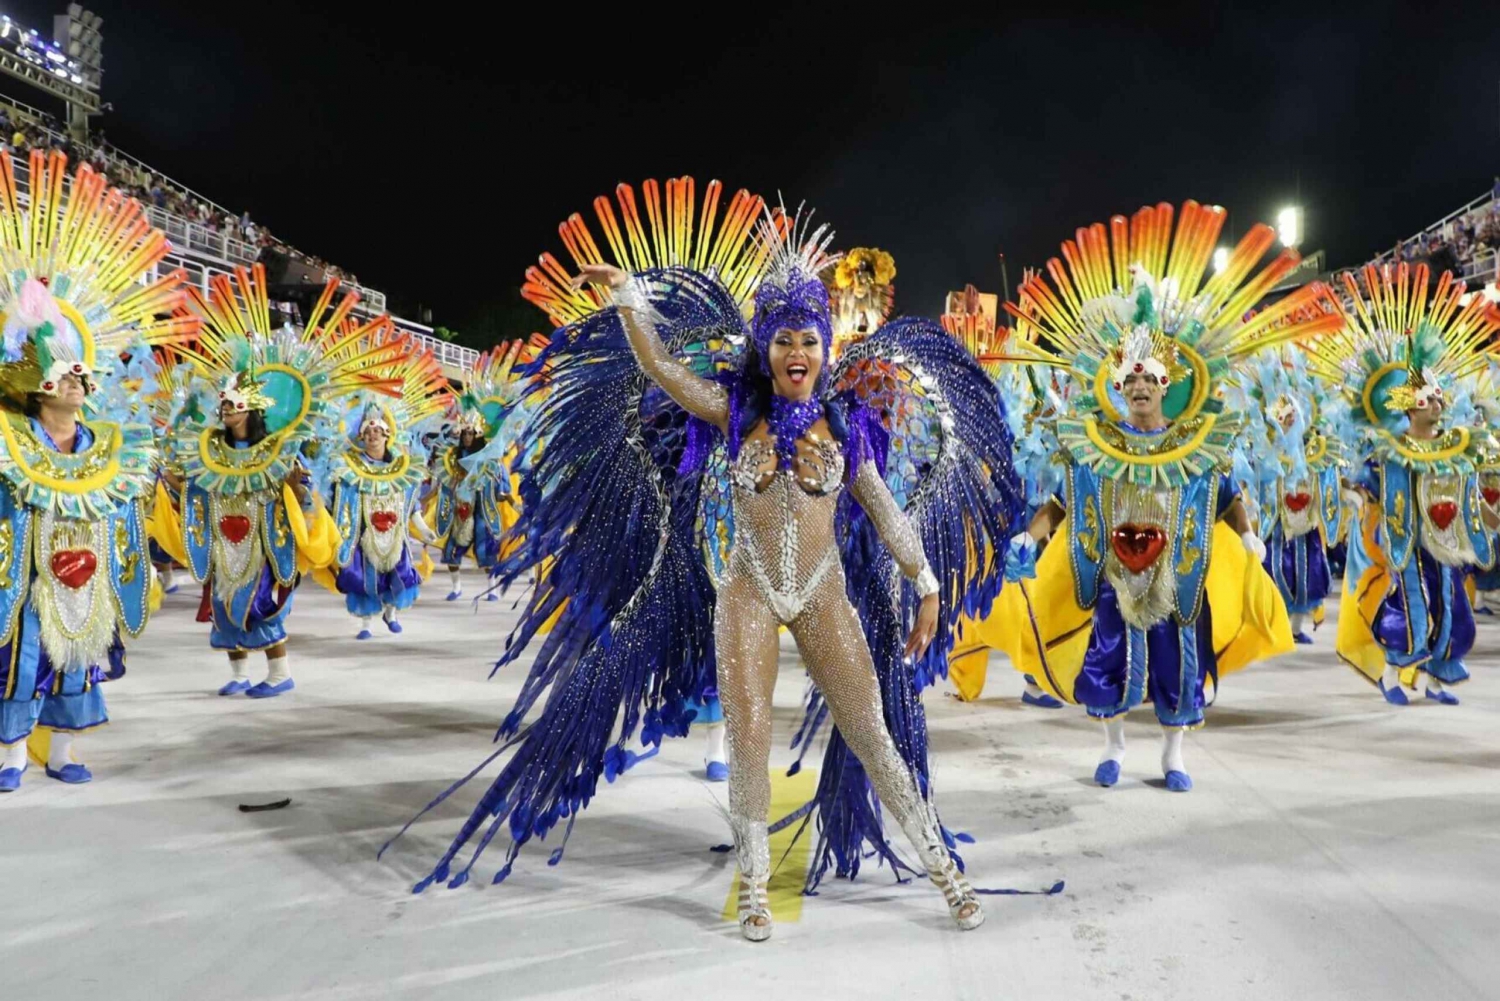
1039,625
318,538
164,525
1359,604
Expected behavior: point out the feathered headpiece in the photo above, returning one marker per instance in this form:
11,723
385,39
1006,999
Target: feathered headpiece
291,375
72,258
1140,293
494,384
792,295
675,230
1397,347
243,392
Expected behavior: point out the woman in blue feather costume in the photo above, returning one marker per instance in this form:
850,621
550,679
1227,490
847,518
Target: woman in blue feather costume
624,500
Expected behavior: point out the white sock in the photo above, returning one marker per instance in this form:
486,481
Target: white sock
389,614
277,670
1434,685
1114,741
240,669
61,752
714,751
1391,678
1299,622
1210,690
166,579
457,587
1171,750
1034,690
364,623
15,755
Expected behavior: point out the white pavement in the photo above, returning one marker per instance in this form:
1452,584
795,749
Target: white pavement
1334,847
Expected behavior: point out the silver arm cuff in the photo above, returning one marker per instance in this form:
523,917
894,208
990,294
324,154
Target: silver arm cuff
927,582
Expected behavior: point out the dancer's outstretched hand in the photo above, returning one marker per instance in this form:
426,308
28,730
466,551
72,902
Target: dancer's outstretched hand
600,274
925,628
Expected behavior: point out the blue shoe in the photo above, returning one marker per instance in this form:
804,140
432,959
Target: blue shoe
1107,774
73,774
393,625
492,596
1179,781
1444,698
1042,701
1303,639
235,687
1484,611
265,691
173,589
717,771
10,778
363,634
1395,696
453,595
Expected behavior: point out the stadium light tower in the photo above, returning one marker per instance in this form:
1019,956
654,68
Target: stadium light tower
1289,226
78,34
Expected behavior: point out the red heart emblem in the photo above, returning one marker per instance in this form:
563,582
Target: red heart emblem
1491,495
1137,546
463,511
383,520
74,567
1442,514
235,527
1296,502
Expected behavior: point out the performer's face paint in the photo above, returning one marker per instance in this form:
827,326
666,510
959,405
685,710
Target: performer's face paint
796,359
1143,394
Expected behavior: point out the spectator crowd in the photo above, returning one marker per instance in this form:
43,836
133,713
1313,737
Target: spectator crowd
21,132
1469,243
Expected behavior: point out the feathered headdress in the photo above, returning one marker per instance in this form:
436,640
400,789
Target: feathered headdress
676,230
494,384
1398,346
72,258
792,295
1139,293
291,375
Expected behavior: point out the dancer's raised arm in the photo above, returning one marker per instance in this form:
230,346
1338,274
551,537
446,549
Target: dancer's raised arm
700,397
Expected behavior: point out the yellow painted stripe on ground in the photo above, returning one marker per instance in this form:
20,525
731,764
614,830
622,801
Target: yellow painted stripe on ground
785,888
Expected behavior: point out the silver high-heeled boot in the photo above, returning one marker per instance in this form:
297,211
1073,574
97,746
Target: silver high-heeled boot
921,826
752,845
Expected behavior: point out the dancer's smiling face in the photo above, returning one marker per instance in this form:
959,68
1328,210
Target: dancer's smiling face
1143,394
374,438
796,358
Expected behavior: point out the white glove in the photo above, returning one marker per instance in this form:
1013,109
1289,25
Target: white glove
1255,546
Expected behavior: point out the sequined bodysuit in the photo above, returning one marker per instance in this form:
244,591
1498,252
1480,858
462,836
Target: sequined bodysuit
785,570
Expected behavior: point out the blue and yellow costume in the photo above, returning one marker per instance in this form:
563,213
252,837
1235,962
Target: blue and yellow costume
474,485
1405,608
1300,469
246,532
75,574
375,501
1142,591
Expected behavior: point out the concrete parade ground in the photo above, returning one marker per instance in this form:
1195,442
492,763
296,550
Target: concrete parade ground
1334,846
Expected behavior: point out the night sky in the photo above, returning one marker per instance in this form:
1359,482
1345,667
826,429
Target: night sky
434,154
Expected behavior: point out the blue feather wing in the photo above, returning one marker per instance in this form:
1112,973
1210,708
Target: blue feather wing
949,464
615,533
